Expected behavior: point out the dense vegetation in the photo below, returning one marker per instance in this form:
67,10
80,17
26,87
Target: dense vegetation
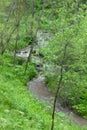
69,32
67,22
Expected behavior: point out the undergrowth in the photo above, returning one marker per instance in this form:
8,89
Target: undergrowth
19,110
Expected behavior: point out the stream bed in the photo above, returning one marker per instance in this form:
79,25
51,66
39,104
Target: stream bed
39,90
38,87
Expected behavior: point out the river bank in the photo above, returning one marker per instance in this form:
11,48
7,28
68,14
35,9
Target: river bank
38,87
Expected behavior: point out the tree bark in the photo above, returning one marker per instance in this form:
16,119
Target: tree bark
59,86
18,24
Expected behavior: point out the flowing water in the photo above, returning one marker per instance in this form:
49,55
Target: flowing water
38,87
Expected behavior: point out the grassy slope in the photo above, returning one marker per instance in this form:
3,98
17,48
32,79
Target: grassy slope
18,109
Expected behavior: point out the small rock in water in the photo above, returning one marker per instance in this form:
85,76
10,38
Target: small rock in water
24,52
39,67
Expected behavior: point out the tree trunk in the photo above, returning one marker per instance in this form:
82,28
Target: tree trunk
59,86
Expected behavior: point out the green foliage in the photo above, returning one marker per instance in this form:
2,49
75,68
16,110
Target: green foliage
11,71
28,39
18,109
74,87
51,82
81,108
68,22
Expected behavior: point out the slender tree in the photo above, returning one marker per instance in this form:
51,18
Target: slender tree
18,24
31,31
59,84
